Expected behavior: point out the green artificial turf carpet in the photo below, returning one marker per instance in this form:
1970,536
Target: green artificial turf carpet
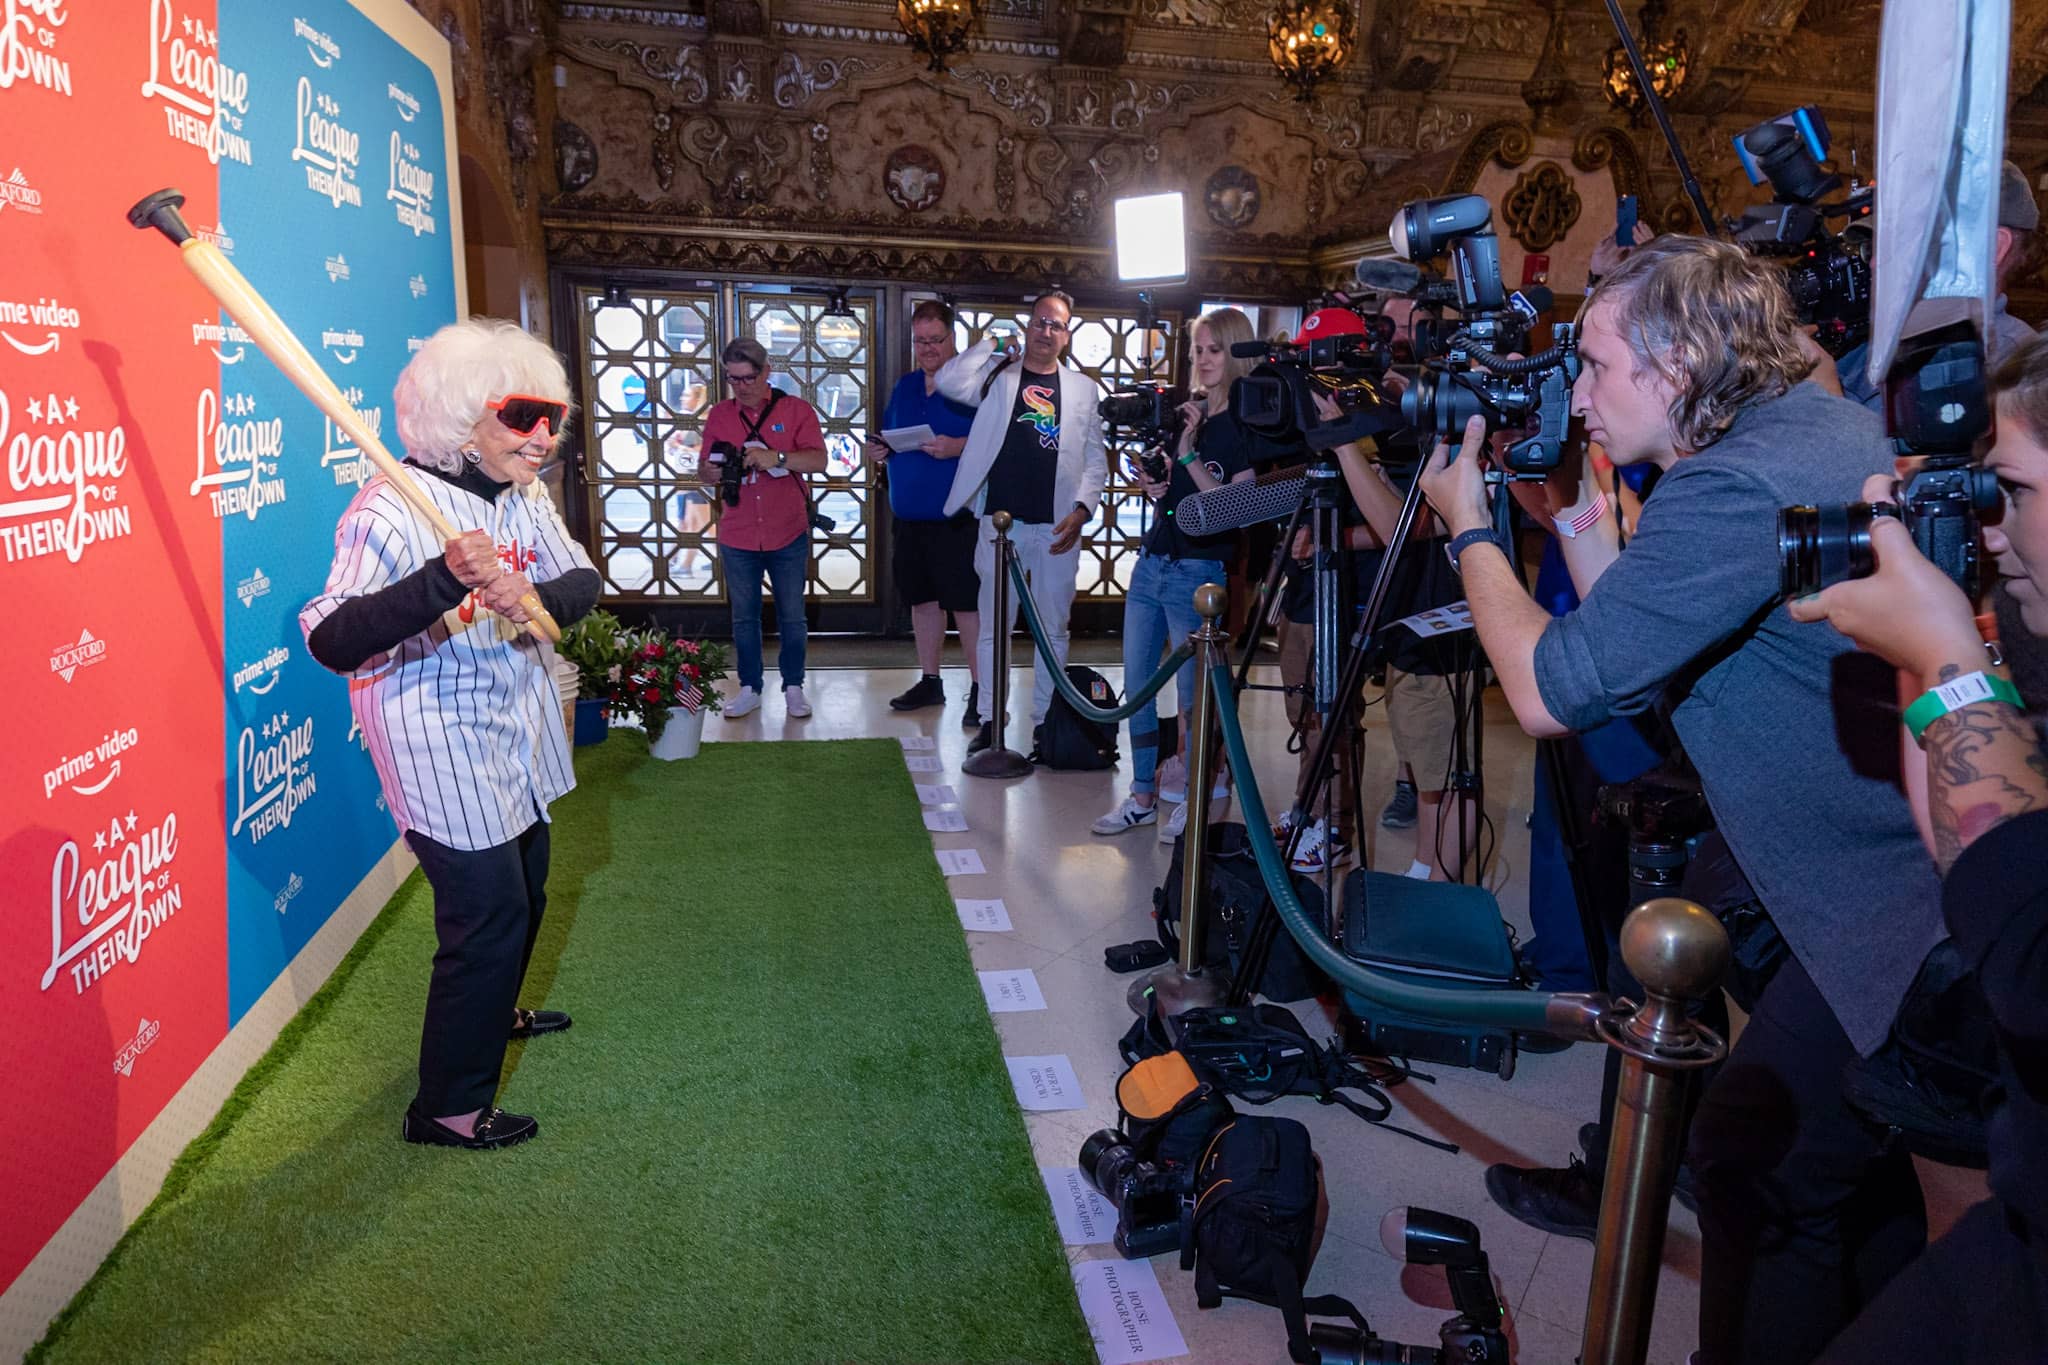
780,1129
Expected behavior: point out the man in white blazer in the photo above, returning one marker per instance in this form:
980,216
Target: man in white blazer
1036,452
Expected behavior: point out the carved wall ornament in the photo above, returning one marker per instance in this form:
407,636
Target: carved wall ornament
1542,206
575,157
1006,174
1508,143
1232,198
661,146
821,162
913,178
1612,149
797,82
673,73
743,162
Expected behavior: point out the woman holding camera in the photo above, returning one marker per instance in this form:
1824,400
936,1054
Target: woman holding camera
1214,448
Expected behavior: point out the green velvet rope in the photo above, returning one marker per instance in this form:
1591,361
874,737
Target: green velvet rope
1116,714
1524,1011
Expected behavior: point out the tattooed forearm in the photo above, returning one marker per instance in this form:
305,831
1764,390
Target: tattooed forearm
1984,768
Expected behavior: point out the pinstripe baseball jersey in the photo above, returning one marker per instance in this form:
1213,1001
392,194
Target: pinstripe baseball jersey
463,720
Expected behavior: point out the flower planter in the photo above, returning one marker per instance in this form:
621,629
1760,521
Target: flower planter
681,736
592,722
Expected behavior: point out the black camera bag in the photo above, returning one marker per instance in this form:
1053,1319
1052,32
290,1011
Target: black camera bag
1167,1111
1252,1232
1933,1083
1237,892
1069,742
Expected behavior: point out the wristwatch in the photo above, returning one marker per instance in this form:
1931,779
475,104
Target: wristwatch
781,458
1465,541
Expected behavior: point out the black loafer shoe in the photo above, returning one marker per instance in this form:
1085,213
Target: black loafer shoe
1563,1202
535,1022
495,1128
983,740
923,692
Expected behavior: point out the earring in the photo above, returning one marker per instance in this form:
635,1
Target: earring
472,454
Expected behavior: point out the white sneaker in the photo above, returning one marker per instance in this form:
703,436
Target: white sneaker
1173,779
745,702
1317,850
1127,816
794,703
1174,825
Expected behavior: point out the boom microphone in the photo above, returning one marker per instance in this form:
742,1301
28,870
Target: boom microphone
1248,350
1387,276
1237,504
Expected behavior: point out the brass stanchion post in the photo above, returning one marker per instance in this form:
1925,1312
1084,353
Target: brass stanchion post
998,760
1679,952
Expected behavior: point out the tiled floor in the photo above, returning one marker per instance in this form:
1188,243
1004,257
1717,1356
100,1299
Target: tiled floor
1070,894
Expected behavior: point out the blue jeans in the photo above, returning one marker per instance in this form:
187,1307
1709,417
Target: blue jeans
785,568
1159,613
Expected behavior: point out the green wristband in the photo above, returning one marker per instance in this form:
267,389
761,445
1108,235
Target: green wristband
1967,690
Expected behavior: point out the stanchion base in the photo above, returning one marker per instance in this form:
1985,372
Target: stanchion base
1172,991
996,763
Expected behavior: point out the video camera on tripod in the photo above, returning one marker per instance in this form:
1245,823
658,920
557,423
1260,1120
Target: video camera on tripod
1467,371
1151,413
1277,399
1828,274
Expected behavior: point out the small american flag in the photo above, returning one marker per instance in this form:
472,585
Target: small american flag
688,695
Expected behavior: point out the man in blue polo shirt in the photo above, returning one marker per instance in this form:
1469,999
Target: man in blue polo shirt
933,554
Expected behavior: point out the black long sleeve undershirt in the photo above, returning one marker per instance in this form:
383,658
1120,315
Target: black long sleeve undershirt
364,627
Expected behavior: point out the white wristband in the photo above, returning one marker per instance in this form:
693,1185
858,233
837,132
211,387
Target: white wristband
1571,525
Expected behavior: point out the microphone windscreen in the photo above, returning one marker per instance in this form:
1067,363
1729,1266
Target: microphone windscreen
1388,276
1247,349
1539,298
1237,504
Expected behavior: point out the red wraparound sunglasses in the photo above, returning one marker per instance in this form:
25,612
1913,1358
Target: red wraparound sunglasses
522,412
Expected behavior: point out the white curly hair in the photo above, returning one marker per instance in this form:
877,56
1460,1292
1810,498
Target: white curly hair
443,390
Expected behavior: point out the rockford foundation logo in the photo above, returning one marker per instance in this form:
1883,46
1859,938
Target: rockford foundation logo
288,893
28,45
345,344
103,908
214,335
17,193
412,188
89,773
84,652
260,675
237,461
146,1032
418,285
204,99
324,51
337,268
332,153
64,475
256,585
408,107
218,235
45,321
340,453
273,775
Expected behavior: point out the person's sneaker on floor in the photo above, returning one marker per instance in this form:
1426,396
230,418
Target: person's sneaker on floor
1125,817
1563,1202
1685,1190
1317,850
983,738
926,691
1173,780
1400,812
1174,825
795,704
971,717
745,702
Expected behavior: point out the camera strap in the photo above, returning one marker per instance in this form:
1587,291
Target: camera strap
753,426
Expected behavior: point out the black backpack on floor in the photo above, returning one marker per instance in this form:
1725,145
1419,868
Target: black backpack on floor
1067,741
1252,1235
1237,892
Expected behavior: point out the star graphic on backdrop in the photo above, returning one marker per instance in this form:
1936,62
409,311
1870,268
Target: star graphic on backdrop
71,407
188,26
131,819
99,841
35,409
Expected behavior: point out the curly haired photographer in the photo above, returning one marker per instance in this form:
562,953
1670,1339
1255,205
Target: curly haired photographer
1692,363
1981,1292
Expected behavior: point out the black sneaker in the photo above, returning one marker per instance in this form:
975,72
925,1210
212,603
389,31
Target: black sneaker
926,691
971,718
983,738
1400,812
1685,1191
495,1128
1564,1202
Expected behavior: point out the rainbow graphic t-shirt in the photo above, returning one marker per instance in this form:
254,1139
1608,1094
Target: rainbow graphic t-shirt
1020,482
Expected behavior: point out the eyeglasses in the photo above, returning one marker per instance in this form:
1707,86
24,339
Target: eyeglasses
929,341
732,378
522,413
1047,325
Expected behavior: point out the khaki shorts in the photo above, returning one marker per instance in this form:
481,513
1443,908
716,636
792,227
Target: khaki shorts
1423,723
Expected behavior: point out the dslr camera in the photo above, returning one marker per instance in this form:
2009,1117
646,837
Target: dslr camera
1277,399
1467,372
1473,1336
1937,407
1147,1196
1151,413
732,469
1827,273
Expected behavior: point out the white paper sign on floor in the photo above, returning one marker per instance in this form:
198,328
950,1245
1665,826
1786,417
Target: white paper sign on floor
1086,1219
984,917
930,794
960,862
917,742
922,763
1045,1082
947,821
1007,992
1126,1312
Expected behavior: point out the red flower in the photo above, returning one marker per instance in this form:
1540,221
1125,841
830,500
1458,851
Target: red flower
689,646
652,694
690,671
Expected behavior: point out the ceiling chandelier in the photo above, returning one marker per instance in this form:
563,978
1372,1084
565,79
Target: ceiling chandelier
1667,60
938,28
1309,40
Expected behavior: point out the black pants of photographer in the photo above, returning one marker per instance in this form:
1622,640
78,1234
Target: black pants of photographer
487,910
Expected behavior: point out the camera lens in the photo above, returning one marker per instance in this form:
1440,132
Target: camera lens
1822,546
1106,1157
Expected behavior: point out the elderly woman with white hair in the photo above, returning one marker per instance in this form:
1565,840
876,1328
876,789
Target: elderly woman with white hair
455,700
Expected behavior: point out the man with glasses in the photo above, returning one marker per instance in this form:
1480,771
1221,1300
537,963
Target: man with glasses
1035,451
769,530
933,553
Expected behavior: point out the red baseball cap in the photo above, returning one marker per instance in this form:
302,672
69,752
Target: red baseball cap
1330,322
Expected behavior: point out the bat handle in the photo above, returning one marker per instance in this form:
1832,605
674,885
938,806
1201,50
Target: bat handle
540,625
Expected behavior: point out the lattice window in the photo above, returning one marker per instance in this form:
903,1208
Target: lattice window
828,362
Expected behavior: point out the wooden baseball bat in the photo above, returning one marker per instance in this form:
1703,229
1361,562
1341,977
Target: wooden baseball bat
276,340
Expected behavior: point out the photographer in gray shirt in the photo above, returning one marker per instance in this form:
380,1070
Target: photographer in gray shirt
1692,362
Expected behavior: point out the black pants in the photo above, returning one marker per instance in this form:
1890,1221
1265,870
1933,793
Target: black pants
1980,1294
1804,1215
487,909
